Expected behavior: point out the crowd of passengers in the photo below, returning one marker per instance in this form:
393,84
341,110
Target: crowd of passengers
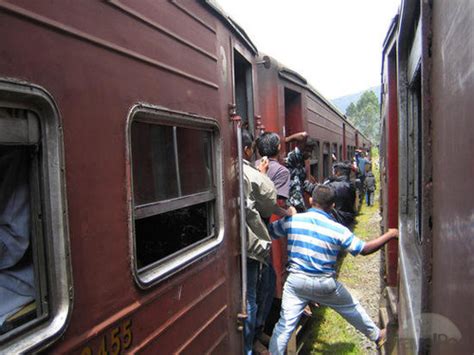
317,229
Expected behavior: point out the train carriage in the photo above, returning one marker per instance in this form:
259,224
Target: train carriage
289,104
426,172
119,150
123,109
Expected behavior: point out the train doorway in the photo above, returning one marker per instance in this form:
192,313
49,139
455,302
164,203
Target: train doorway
293,113
243,89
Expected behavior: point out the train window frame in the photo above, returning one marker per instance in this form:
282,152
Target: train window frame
416,146
315,160
334,152
326,164
49,230
161,269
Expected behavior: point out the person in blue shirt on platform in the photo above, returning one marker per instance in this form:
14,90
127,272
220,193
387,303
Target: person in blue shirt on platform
314,243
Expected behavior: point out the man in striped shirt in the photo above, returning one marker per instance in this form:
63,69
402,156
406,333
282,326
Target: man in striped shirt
314,242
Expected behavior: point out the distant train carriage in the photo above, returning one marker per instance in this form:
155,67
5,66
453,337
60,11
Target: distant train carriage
289,104
427,168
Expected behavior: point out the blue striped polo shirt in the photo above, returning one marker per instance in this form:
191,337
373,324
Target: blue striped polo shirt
314,241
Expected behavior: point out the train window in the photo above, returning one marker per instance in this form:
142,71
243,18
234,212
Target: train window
326,161
314,162
415,117
175,195
18,180
334,151
34,268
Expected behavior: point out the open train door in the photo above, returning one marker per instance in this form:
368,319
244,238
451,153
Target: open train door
242,114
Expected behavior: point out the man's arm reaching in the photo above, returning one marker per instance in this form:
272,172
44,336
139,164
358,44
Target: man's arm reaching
376,244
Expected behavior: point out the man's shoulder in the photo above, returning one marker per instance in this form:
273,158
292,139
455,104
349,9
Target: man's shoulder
251,172
278,168
322,223
327,221
255,176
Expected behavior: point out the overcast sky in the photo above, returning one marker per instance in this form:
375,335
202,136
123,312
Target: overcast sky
335,44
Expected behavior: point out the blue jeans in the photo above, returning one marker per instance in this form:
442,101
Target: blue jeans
299,290
265,294
369,198
253,276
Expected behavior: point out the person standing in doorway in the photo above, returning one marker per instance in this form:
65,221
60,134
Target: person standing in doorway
260,200
268,145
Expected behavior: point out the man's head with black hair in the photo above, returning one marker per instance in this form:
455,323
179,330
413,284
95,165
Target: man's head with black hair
308,147
323,196
342,168
268,144
247,144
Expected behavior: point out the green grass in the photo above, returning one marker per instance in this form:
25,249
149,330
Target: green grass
333,335
330,333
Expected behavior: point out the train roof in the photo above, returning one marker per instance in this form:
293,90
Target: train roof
297,79
283,71
292,76
234,26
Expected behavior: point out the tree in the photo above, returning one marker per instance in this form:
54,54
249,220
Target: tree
365,115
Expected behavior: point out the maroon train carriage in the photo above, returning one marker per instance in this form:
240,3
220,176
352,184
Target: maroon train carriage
427,169
131,176
289,104
125,116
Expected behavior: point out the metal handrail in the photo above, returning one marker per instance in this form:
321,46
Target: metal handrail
243,226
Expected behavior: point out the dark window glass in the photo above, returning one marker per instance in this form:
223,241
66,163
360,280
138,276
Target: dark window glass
173,173
194,156
154,163
167,233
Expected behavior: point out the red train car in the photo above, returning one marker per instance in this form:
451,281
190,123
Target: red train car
118,148
427,167
122,110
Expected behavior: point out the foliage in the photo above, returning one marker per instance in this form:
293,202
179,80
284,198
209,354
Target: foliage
365,115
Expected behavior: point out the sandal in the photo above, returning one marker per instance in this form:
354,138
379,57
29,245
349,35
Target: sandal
382,338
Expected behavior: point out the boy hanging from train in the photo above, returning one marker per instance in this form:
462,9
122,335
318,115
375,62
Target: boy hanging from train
314,243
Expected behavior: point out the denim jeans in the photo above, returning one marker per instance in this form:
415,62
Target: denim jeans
253,276
265,294
301,289
369,198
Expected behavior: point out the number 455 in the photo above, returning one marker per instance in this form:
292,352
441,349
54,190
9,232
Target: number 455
120,339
